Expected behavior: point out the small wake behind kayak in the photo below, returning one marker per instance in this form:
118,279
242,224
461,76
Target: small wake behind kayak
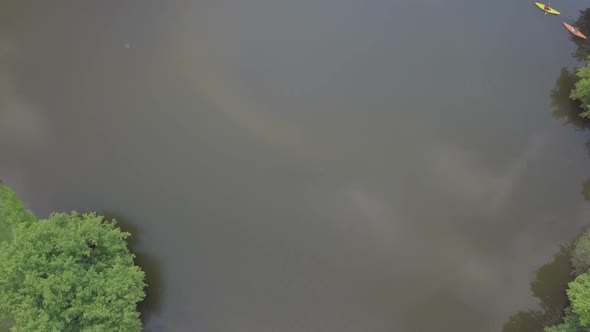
574,30
541,6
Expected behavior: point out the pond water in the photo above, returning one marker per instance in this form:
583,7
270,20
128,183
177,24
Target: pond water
303,165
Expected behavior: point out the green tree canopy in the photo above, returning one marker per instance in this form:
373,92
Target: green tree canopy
581,91
69,273
579,295
571,323
12,212
581,253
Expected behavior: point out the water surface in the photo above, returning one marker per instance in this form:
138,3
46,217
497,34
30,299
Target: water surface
302,165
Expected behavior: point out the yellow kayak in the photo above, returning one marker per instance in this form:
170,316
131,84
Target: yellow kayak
549,11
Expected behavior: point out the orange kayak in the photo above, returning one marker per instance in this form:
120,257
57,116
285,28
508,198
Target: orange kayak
574,30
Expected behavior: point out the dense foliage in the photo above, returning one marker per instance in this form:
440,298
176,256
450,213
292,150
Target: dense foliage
581,254
571,323
581,91
71,272
12,212
579,294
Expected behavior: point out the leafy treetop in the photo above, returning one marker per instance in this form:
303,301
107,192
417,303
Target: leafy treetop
69,273
12,212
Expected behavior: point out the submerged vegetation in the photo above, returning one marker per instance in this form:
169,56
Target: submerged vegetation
70,272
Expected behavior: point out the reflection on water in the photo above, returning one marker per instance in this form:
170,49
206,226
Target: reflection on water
568,110
564,107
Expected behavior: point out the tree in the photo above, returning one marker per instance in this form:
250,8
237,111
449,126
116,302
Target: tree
579,295
12,212
571,323
581,91
6,322
71,272
581,254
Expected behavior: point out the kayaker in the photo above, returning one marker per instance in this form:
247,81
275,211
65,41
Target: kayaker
547,8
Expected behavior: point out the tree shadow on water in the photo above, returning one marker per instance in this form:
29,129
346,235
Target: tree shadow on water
586,187
550,285
567,109
562,106
148,263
